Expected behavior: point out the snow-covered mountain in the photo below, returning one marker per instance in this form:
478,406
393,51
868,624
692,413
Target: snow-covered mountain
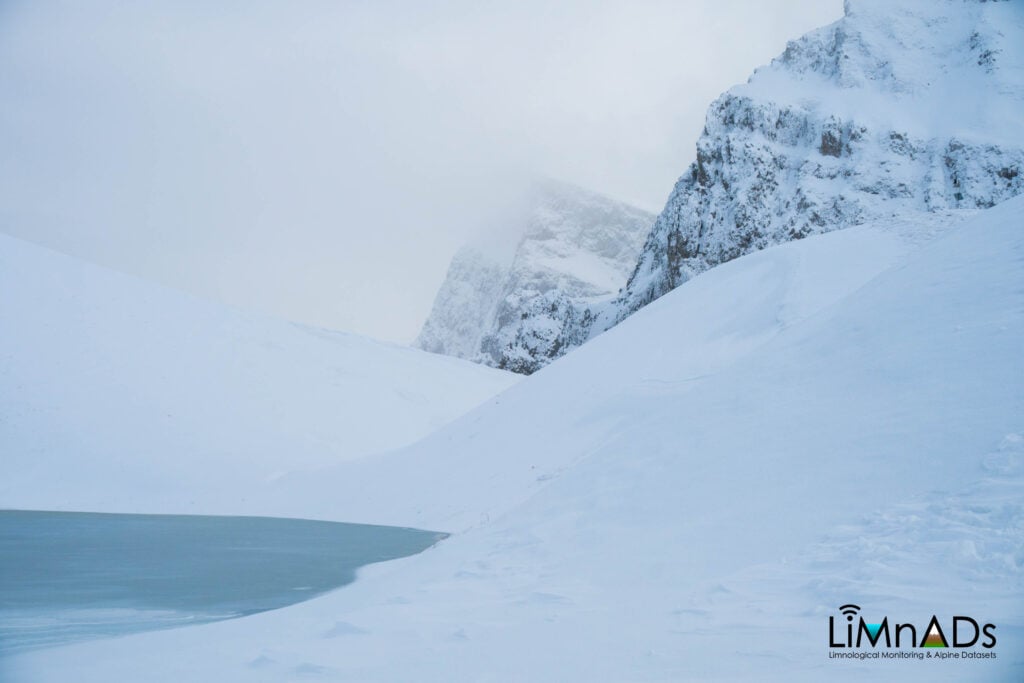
525,297
901,104
119,395
691,495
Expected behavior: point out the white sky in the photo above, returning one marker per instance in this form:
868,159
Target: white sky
322,161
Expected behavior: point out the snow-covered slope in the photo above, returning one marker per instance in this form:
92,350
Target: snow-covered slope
900,105
691,495
522,303
119,395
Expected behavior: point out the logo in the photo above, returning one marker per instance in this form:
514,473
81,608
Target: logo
850,611
957,637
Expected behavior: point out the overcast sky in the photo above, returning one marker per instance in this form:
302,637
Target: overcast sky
322,161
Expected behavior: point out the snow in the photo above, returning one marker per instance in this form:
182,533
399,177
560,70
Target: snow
118,395
793,426
942,69
689,496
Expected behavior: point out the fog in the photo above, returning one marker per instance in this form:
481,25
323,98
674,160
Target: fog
322,161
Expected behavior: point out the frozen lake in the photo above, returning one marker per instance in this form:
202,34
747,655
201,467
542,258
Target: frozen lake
67,576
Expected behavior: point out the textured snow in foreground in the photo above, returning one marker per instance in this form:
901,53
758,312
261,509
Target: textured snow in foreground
691,495
118,395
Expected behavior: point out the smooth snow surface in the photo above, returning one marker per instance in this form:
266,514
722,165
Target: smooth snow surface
117,395
691,495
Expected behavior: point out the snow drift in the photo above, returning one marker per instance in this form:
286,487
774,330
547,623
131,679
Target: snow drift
118,395
691,495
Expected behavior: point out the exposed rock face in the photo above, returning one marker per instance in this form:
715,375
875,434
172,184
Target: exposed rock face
899,105
520,307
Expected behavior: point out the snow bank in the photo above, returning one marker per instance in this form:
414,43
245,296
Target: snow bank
690,496
118,395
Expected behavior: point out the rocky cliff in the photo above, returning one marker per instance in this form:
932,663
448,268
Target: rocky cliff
899,105
519,306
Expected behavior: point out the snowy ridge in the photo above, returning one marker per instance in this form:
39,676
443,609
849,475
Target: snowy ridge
523,306
188,405
898,106
837,418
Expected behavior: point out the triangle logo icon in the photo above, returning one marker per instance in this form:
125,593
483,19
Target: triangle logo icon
934,636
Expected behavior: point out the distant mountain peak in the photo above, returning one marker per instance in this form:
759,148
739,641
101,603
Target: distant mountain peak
510,306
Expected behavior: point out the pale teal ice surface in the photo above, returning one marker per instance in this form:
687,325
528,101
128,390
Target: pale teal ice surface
68,576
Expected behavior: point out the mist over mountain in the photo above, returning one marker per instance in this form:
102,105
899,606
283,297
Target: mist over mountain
524,295
895,108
